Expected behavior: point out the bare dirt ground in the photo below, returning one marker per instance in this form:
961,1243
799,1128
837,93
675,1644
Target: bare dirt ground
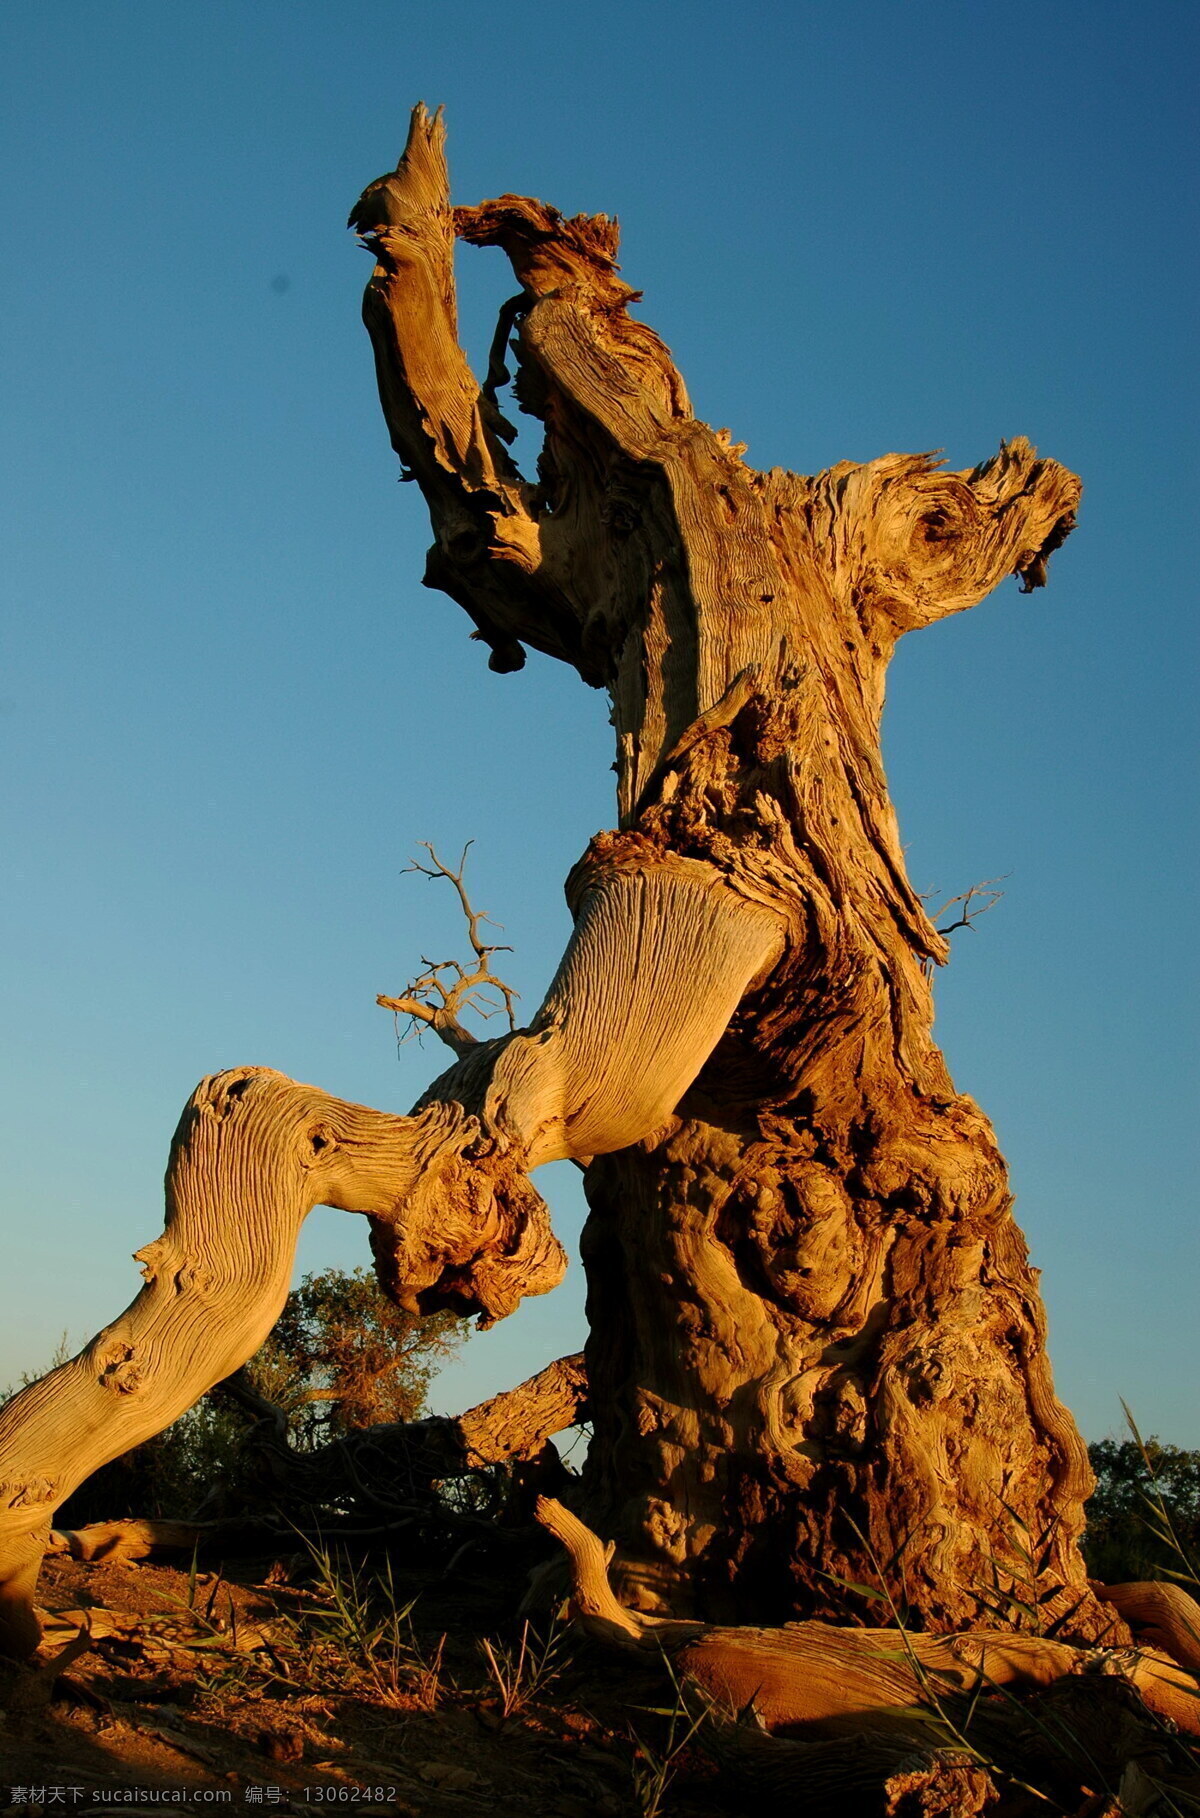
232,1691
305,1683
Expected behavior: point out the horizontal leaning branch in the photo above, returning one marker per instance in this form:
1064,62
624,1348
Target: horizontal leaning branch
515,1424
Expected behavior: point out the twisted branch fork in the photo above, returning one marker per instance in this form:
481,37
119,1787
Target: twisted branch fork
445,988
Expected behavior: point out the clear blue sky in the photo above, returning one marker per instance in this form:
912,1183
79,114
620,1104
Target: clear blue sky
229,710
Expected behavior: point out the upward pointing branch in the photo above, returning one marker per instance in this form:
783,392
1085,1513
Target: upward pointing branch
446,987
445,428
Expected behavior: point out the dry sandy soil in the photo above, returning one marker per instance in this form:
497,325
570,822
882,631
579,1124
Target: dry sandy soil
252,1697
275,1687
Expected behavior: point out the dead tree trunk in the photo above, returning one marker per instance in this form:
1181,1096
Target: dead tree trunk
816,1346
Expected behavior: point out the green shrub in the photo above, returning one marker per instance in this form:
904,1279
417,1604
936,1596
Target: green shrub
342,1356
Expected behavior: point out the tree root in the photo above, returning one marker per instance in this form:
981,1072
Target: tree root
1162,1616
830,1680
873,1774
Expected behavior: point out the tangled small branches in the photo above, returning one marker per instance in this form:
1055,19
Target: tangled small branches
974,902
445,988
971,904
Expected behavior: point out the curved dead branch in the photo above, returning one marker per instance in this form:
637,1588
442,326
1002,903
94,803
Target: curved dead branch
454,1219
389,1466
254,1152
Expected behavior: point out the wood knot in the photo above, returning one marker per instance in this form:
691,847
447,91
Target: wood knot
219,1096
151,1257
622,514
119,1370
28,1495
925,1378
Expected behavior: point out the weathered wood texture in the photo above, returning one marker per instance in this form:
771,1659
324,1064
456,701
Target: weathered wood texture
254,1152
816,1347
815,1340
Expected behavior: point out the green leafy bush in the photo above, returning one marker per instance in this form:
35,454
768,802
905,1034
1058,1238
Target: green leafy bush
342,1356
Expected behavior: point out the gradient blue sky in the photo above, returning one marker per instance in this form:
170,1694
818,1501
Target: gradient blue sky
229,710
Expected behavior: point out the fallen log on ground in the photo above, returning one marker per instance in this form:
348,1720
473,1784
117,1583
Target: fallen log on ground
125,1542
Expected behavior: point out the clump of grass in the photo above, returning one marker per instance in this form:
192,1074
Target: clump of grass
939,1692
654,1769
523,1671
360,1618
1020,1593
426,1682
1159,1521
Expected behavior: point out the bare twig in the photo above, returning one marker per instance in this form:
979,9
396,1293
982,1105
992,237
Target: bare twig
975,902
445,988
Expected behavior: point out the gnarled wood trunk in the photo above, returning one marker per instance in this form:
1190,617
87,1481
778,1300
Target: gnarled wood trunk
816,1345
806,1367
